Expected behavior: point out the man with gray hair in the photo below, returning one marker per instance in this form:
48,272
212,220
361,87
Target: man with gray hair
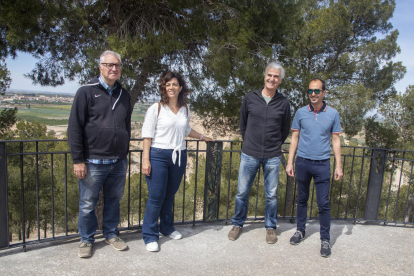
264,126
98,133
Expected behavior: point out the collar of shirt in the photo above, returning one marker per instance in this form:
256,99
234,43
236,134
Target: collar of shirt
323,108
107,87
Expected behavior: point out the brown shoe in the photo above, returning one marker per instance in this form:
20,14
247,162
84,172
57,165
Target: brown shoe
117,243
234,233
271,236
85,250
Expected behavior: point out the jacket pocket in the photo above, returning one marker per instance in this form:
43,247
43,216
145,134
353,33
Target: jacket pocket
105,141
122,141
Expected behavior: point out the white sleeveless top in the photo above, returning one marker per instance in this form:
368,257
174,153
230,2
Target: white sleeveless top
167,130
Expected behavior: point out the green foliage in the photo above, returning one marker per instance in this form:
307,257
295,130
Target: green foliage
223,43
251,35
136,193
399,115
23,24
332,40
352,103
380,135
337,43
5,79
30,176
221,47
7,120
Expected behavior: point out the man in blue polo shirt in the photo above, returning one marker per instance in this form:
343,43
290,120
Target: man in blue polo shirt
313,126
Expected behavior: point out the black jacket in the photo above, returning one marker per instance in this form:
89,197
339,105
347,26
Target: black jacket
264,127
99,124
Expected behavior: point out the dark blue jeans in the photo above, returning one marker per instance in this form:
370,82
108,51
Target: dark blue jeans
163,184
110,178
320,170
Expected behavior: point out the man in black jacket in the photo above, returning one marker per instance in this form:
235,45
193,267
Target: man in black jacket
98,133
264,126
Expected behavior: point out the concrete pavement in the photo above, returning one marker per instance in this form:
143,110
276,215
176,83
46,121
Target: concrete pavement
205,250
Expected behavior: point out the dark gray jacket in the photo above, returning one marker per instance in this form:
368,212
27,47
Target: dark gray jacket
264,127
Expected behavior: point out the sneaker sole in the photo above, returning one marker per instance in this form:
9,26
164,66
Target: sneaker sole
119,249
292,243
173,238
326,256
153,250
234,239
83,257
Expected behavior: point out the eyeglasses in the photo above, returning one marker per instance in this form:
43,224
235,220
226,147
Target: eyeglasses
317,91
111,65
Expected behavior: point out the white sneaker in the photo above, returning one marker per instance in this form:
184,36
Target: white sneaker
175,235
153,247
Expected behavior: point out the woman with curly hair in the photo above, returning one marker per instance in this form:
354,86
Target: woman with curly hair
164,156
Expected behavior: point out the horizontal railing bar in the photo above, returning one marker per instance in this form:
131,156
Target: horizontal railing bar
40,153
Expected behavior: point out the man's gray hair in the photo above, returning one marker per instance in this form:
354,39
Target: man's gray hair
276,66
104,54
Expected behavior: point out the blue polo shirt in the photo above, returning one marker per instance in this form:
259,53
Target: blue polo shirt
315,128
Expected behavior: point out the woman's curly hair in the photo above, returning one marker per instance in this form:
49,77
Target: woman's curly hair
166,77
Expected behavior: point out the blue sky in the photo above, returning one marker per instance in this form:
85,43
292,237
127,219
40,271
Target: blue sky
403,20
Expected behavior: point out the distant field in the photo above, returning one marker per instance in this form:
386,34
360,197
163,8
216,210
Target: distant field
52,114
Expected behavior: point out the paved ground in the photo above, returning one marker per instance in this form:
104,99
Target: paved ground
205,250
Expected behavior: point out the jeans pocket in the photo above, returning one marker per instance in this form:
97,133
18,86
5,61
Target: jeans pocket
299,160
155,150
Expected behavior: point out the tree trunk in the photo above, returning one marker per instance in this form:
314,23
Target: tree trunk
142,79
99,210
45,228
28,230
409,208
290,185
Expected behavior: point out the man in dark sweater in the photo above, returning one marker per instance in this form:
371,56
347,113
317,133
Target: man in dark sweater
264,126
98,133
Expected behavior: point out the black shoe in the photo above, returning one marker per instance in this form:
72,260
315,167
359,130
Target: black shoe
325,248
297,237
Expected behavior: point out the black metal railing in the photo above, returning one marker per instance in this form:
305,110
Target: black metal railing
39,192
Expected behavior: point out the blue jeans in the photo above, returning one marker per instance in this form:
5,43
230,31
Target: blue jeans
247,172
320,170
163,184
111,178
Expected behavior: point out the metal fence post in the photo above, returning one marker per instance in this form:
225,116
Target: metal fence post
214,158
376,176
4,224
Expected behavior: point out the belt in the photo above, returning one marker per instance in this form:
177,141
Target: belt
314,159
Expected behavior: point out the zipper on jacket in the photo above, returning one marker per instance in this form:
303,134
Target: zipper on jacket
265,122
264,130
115,126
